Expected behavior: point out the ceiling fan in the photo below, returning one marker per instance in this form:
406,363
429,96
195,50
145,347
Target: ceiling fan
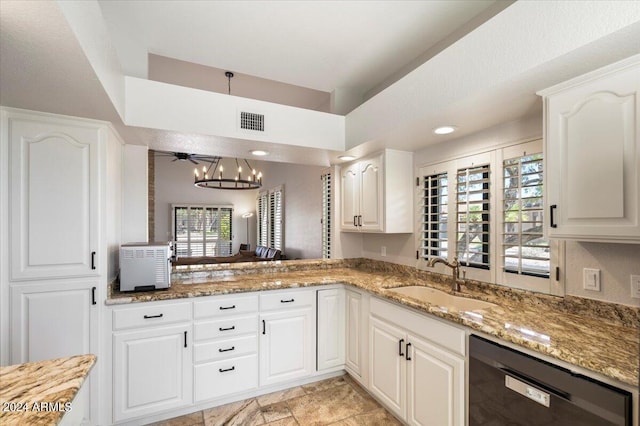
184,156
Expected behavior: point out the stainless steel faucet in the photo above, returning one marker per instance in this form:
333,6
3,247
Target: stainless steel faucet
455,270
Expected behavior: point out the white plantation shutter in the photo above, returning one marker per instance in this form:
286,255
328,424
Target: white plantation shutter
270,208
473,221
525,250
202,230
326,215
435,199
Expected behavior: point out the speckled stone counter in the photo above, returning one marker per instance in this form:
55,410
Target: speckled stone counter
597,336
39,393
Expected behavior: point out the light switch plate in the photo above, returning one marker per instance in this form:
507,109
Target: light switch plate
635,286
591,279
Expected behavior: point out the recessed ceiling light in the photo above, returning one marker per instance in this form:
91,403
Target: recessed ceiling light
259,152
346,157
444,130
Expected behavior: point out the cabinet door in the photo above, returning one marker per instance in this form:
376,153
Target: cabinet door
387,365
152,371
331,329
350,197
593,157
371,196
55,320
353,344
54,197
435,380
287,341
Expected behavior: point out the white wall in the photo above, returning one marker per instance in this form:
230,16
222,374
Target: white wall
174,185
135,194
616,261
303,207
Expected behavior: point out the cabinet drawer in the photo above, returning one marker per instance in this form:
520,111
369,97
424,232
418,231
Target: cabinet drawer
222,378
288,299
221,349
447,336
224,305
225,327
151,315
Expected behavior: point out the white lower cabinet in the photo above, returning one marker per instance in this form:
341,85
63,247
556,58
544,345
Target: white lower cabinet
417,366
225,346
357,335
331,329
287,336
152,364
53,320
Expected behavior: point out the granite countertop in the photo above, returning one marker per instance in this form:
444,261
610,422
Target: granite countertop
601,337
39,393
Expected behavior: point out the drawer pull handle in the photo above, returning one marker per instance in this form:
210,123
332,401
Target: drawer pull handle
224,370
223,308
185,339
153,316
400,347
93,296
93,260
552,208
407,357
264,327
227,350
233,327
287,301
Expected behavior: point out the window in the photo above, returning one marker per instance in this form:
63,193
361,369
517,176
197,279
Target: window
435,208
326,215
473,218
271,218
525,250
488,210
202,230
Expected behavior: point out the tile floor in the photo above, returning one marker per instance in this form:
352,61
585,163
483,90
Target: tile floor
339,401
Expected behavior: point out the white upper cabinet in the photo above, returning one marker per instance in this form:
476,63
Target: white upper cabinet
54,195
377,194
592,131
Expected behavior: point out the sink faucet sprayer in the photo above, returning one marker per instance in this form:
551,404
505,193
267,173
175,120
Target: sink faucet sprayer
455,270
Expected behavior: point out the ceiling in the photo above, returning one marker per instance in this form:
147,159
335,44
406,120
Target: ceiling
294,42
416,63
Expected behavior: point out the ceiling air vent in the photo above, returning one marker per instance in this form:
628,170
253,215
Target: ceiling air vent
252,121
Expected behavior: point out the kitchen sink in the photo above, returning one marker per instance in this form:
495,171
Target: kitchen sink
440,298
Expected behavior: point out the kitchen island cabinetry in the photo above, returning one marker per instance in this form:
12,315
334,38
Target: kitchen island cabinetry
417,365
592,146
377,194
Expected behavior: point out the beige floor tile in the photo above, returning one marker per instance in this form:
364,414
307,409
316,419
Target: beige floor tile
193,419
379,417
287,421
276,411
324,384
280,396
329,406
245,413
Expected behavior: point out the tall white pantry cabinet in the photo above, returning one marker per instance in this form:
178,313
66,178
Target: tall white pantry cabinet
60,225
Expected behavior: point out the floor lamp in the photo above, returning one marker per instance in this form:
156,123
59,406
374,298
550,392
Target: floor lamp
246,216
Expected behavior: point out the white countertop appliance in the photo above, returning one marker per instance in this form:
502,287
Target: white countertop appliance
145,266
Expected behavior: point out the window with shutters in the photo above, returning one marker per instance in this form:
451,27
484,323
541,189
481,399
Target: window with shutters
435,200
473,217
326,215
488,211
202,230
270,208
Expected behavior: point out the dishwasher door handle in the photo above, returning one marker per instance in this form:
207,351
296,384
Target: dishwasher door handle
528,391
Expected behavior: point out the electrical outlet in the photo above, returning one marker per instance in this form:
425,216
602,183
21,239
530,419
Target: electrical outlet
591,279
635,286
383,251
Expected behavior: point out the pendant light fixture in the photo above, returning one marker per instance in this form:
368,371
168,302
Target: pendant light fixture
228,173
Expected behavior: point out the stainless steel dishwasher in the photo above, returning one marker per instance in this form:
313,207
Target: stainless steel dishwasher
507,387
